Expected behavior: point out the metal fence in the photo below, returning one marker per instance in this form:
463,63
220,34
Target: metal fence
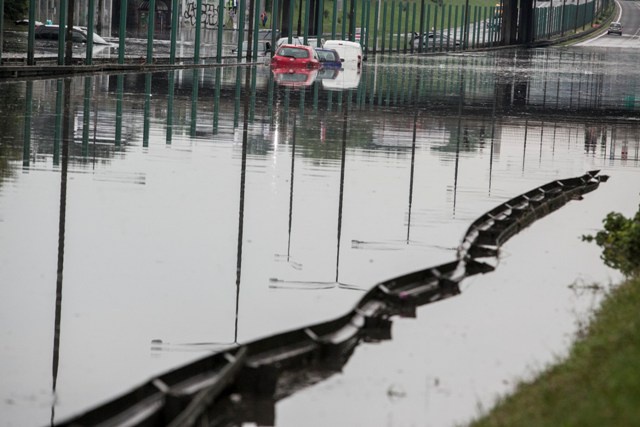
198,31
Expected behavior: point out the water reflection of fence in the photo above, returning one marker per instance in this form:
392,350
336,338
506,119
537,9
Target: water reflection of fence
388,26
245,382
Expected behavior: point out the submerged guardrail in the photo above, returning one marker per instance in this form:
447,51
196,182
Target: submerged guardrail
245,382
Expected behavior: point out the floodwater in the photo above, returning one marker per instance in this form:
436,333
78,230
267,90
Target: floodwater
149,219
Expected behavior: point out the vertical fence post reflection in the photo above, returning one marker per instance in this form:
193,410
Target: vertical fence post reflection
120,93
150,30
343,155
216,100
57,134
26,142
270,90
86,115
67,135
194,101
147,109
170,95
252,96
293,163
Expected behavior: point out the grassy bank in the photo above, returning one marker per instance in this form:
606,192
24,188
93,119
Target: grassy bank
597,385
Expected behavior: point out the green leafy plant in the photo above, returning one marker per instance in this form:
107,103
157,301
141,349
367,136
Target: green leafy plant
620,242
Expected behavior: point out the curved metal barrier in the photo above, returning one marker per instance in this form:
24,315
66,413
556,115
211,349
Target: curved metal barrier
243,384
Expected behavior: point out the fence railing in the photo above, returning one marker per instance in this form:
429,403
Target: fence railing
200,31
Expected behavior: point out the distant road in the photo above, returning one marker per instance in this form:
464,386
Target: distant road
629,16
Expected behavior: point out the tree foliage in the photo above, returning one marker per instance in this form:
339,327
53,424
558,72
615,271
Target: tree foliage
15,9
620,242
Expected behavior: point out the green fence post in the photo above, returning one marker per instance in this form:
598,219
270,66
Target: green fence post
221,28
31,33
384,26
413,26
256,32
393,11
376,24
434,27
307,20
290,22
399,26
1,28
320,29
242,11
449,30
367,27
421,32
344,20
62,31
455,32
90,20
428,28
174,31
122,31
406,26
334,23
150,30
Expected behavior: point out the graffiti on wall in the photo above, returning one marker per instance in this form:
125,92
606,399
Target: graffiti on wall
209,18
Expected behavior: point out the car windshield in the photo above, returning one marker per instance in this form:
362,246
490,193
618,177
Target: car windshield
293,52
327,55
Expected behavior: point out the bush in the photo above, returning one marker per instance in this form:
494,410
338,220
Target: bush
620,242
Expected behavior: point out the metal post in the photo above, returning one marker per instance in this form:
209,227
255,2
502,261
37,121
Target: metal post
344,20
384,25
221,26
90,26
174,32
320,23
62,33
122,31
335,20
31,33
391,22
290,22
1,28
242,11
376,18
307,20
196,42
150,27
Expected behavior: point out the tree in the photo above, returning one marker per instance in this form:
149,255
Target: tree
15,9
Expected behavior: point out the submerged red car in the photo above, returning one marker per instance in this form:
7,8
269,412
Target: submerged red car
295,56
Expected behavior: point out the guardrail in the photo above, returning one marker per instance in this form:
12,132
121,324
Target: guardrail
214,390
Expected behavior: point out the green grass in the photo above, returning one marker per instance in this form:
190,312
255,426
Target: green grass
599,382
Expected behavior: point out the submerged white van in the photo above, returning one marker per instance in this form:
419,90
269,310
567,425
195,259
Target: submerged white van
350,52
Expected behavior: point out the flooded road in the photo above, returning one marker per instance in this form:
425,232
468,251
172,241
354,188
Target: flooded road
149,219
